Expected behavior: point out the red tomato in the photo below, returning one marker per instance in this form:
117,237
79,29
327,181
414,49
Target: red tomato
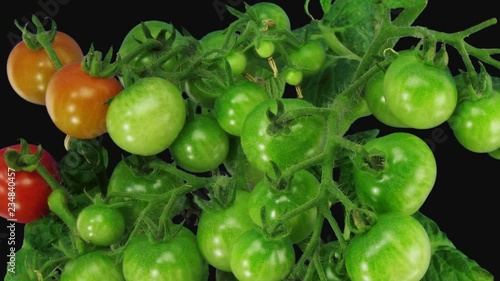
23,195
76,101
29,71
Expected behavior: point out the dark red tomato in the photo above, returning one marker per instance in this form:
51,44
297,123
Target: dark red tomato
23,194
29,71
76,101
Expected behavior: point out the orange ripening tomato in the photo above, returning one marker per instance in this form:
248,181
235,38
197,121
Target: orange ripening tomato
77,102
29,71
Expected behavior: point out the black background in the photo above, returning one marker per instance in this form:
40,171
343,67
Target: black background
463,199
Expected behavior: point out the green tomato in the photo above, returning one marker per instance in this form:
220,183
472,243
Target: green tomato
255,257
406,179
100,225
419,95
476,123
265,48
302,138
232,107
201,146
136,36
375,99
214,40
236,163
395,248
293,76
495,154
309,58
218,230
95,265
265,11
302,188
134,176
145,118
176,258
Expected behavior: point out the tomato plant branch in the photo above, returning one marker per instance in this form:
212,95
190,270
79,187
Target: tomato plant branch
313,243
334,225
58,203
328,35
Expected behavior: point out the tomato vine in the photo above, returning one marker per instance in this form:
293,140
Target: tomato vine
199,120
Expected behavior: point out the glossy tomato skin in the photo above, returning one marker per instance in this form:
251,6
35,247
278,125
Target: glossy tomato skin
408,176
395,248
218,230
419,95
374,96
302,188
235,158
100,225
95,265
29,71
233,106
271,11
475,123
28,190
201,146
177,258
131,178
305,139
146,117
255,257
308,58
76,101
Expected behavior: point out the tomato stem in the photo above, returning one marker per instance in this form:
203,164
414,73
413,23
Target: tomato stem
58,203
46,42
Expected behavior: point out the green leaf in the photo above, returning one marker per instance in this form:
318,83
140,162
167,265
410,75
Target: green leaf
396,4
354,22
325,5
322,88
447,262
43,233
84,164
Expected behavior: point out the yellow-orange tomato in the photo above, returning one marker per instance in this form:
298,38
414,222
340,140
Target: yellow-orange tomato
77,102
29,71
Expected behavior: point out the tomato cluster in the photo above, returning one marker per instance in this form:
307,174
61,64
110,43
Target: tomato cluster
236,150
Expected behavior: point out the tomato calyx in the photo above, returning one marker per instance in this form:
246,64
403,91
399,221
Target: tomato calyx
474,85
42,39
23,160
360,219
221,194
36,41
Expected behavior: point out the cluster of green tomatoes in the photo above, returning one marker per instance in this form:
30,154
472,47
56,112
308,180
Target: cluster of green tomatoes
235,152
